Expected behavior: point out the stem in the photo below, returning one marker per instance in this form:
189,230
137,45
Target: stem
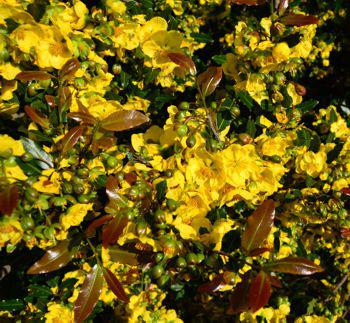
94,251
272,9
210,118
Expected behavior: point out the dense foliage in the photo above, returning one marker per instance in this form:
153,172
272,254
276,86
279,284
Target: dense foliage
174,160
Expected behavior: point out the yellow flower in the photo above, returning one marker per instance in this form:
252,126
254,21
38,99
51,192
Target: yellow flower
311,163
99,107
45,42
238,163
116,7
152,26
312,319
9,144
266,23
58,313
49,182
274,146
297,99
15,173
157,47
10,231
281,52
75,215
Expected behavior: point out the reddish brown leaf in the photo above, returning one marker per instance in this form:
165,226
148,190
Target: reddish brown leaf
275,282
115,285
54,259
346,191
115,199
259,251
50,99
124,120
130,178
186,63
282,6
294,265
299,20
90,230
212,286
9,199
259,291
89,293
239,297
123,257
69,68
82,117
209,80
71,138
248,2
259,226
112,230
64,96
27,76
345,232
37,116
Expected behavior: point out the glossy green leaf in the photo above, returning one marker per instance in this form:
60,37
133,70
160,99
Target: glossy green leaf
259,225
45,160
89,294
54,259
11,305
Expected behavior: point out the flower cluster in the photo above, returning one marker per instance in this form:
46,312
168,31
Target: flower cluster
167,161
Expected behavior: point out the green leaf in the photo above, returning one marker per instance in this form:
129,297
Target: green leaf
246,99
11,305
303,138
251,128
89,294
307,105
259,225
124,79
223,119
29,168
161,190
219,59
151,75
44,159
202,38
